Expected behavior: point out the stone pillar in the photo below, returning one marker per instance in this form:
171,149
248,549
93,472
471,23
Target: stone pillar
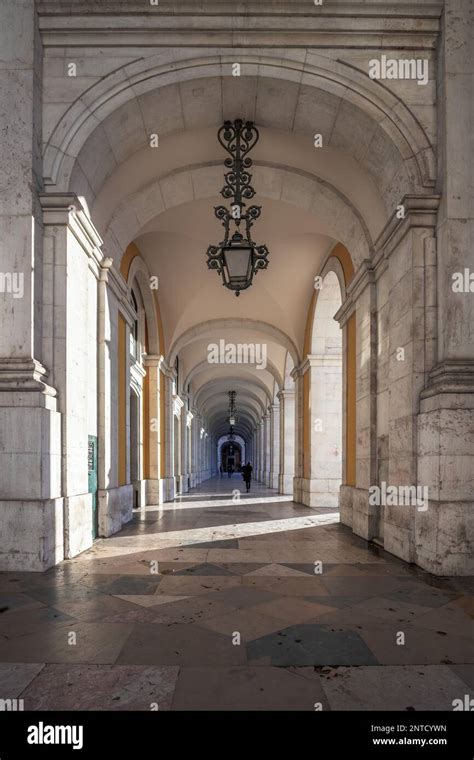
31,506
261,448
152,429
287,441
323,444
444,533
170,482
72,270
274,445
267,447
299,435
193,438
178,412
184,474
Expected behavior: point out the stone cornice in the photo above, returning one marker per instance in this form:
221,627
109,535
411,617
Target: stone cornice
65,209
260,23
420,211
167,371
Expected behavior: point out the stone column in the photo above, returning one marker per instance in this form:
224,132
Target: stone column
274,445
444,534
178,412
72,268
170,482
299,442
323,442
184,474
31,506
193,438
287,441
152,429
261,451
267,447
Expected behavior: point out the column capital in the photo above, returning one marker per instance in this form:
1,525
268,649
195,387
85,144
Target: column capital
286,393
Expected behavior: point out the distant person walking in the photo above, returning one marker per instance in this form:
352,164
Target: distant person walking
221,470
229,470
247,475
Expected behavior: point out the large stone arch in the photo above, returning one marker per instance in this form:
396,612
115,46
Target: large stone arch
387,116
212,328
283,183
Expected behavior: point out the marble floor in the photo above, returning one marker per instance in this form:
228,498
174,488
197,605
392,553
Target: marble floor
230,601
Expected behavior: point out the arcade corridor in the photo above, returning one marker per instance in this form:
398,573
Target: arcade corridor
157,610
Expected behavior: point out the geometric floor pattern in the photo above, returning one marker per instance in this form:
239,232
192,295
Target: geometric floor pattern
232,601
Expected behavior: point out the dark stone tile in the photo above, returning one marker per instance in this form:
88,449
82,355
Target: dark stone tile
334,601
242,596
305,567
157,644
425,596
124,584
204,569
465,673
309,644
231,543
362,586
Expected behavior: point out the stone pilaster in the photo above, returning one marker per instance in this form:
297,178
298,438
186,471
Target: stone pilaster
287,441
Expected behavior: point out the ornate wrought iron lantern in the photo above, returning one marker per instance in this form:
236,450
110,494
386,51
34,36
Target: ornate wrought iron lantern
232,409
237,258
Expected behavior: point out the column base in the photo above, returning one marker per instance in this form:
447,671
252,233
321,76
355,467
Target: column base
170,489
115,509
77,524
285,484
320,493
32,535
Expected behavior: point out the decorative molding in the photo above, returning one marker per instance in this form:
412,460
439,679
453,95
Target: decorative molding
177,406
450,376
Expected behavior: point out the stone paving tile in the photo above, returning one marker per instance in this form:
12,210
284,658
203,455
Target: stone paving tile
420,595
190,610
231,543
465,673
246,688
94,609
354,586
204,569
287,586
182,585
449,619
249,622
96,643
303,634
9,602
151,601
425,687
292,609
15,677
101,687
28,621
384,608
157,644
280,571
310,644
223,556
240,596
